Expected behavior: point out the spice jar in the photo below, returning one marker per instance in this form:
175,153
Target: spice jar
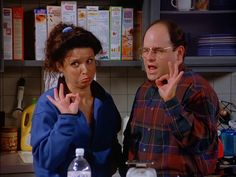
8,138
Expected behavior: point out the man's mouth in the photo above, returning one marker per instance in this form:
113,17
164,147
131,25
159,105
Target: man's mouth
152,67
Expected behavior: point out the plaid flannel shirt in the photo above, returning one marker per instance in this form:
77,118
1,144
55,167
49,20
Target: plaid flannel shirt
180,135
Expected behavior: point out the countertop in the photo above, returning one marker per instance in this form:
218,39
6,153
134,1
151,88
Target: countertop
12,163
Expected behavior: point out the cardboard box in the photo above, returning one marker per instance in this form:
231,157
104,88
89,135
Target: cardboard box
18,33
127,33
69,12
137,34
98,24
7,34
115,32
53,17
82,17
40,17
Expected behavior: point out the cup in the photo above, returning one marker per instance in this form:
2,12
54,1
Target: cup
182,5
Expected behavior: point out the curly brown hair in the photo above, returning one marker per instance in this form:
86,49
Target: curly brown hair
61,41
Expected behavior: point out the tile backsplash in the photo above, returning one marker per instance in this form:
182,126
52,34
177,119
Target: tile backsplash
121,82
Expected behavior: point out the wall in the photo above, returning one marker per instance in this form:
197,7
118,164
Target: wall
121,82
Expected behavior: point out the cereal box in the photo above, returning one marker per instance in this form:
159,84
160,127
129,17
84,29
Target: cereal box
115,32
53,17
7,34
127,34
40,32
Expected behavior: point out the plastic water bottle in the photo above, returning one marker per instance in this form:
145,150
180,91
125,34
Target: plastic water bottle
79,167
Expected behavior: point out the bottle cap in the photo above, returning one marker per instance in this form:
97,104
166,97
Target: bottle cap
79,151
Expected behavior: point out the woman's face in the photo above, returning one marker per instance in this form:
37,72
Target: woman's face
79,68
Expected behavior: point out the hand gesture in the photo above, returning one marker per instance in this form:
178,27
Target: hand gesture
167,83
67,104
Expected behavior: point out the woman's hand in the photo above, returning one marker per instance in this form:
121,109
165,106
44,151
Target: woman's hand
167,83
67,104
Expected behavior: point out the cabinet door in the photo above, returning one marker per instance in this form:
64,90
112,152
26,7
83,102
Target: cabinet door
1,43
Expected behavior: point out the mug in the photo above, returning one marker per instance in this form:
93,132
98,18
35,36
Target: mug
182,5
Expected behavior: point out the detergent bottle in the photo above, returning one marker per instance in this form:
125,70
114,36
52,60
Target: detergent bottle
26,121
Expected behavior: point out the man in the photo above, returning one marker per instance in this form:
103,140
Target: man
173,122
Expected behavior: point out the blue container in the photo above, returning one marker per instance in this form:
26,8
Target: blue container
228,137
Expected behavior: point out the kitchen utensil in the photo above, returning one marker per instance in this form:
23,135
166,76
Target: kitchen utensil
17,112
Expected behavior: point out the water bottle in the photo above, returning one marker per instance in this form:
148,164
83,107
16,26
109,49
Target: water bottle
79,167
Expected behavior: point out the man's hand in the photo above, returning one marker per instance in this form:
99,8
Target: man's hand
67,104
167,83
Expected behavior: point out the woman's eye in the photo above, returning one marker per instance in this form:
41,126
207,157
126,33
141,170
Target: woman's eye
90,60
74,64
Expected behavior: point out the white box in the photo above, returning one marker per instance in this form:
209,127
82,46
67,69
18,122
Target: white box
82,17
115,32
98,24
69,12
7,34
53,17
127,33
40,32
18,33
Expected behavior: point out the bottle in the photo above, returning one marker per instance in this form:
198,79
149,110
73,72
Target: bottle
79,167
26,121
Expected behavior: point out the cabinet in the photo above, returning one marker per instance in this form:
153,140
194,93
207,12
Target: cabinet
1,44
195,23
29,28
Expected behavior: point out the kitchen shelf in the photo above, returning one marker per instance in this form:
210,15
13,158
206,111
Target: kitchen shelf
197,63
198,12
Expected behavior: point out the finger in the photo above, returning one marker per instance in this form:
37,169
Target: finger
51,99
56,97
176,70
179,76
170,65
162,80
61,91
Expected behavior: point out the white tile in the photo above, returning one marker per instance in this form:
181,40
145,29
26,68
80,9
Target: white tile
233,84
103,73
33,86
136,72
119,72
133,84
121,102
222,84
119,85
105,83
10,85
130,103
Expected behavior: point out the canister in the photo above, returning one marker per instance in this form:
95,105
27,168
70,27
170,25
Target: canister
8,137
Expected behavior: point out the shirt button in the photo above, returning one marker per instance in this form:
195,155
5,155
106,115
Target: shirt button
152,108
144,149
149,129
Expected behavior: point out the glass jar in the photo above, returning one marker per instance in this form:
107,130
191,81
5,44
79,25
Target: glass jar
8,137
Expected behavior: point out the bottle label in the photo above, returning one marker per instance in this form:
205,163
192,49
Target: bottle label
79,174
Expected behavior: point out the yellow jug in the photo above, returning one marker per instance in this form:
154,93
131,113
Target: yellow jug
26,121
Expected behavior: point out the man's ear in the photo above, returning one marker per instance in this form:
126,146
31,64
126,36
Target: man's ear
180,54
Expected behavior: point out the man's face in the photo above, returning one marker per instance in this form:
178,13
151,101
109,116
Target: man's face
157,51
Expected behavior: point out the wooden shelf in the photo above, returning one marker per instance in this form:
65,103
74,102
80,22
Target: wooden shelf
197,63
198,12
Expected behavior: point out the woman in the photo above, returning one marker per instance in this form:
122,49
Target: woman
78,113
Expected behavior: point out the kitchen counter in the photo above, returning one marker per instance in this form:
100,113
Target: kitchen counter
11,163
